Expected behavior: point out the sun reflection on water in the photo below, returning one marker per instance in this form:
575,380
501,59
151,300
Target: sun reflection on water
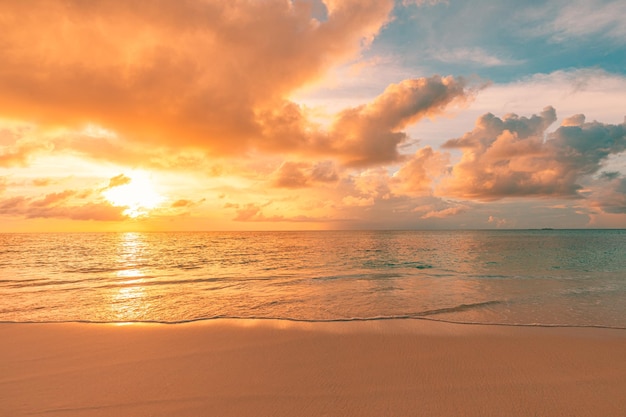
130,301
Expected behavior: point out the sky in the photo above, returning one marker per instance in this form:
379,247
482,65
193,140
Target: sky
196,115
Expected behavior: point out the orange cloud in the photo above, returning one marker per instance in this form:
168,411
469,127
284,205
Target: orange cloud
370,134
51,206
177,74
42,182
182,203
442,214
302,174
253,213
53,198
16,149
416,176
119,180
365,135
509,157
362,136
372,183
172,82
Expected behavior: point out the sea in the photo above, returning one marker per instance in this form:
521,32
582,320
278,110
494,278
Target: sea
506,277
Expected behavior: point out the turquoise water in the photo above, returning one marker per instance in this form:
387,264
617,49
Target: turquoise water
535,277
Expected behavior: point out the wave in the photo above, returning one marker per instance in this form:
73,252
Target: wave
108,282
423,315
458,308
337,320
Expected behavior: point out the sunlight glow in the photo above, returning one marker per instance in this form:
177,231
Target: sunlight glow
139,195
129,301
95,131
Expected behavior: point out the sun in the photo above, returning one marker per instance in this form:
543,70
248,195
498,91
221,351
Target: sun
137,194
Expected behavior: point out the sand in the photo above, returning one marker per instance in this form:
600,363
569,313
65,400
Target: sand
277,368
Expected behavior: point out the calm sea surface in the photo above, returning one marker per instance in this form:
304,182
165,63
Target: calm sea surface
545,277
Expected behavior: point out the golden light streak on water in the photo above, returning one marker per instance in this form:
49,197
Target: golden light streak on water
130,301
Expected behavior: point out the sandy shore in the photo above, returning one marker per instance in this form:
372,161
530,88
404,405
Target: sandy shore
271,368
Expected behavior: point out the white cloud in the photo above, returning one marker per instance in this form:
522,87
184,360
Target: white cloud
420,3
583,18
472,55
595,93
567,19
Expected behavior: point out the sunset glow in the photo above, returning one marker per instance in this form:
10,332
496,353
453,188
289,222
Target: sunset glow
137,195
343,115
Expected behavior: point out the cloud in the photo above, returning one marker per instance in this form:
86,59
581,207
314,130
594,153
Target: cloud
420,3
564,20
248,213
472,55
302,174
291,175
89,211
126,152
253,213
416,176
370,134
351,201
575,120
183,74
583,18
508,157
585,147
610,195
442,214
170,84
17,150
13,205
499,222
53,199
51,206
182,203
119,180
371,183
43,182
594,92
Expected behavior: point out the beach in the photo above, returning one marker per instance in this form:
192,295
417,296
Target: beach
232,367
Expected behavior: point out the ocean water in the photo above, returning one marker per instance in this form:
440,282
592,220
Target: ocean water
532,277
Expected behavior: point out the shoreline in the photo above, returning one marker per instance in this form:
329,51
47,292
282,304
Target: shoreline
237,367
261,319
